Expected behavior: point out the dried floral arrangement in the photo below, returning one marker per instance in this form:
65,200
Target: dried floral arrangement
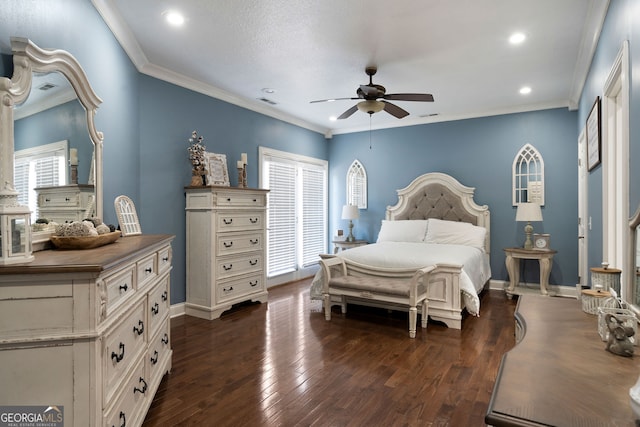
198,161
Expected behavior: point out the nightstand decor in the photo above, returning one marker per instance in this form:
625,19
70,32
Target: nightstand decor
528,212
350,212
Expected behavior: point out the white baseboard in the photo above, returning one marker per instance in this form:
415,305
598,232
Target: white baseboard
177,310
534,288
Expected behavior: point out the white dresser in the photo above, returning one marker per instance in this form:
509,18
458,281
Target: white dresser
226,244
88,330
65,203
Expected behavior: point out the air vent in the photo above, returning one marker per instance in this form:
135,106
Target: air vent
47,86
268,101
430,115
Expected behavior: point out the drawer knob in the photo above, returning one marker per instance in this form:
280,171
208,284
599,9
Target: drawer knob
123,420
66,199
227,267
124,287
165,339
139,330
155,309
143,389
253,241
165,296
227,221
253,283
165,259
255,200
227,244
253,220
253,261
229,289
154,359
228,199
118,357
47,200
148,270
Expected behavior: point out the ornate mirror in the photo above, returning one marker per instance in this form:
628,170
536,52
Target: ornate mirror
634,259
35,68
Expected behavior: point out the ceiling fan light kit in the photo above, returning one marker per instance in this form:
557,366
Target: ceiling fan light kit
371,95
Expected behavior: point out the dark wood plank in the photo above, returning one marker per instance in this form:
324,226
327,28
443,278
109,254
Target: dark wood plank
283,364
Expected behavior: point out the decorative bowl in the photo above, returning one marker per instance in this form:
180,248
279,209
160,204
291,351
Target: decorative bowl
84,242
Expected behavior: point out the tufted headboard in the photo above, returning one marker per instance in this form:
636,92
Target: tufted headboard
438,195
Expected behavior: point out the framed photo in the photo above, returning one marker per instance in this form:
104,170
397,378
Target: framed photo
217,172
594,134
127,216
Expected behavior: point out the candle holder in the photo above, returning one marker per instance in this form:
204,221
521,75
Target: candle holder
74,174
241,177
244,176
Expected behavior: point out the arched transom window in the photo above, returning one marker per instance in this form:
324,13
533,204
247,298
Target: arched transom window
528,176
357,185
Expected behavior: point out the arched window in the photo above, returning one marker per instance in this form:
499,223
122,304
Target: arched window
528,176
357,185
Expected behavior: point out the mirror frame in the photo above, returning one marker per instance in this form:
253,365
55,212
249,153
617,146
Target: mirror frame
27,59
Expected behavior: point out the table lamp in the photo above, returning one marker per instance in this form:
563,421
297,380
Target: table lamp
528,212
350,212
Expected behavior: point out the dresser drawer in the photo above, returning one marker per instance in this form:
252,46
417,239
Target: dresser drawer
240,198
122,347
147,269
239,287
228,244
128,405
165,256
59,199
239,264
159,351
119,288
158,305
239,221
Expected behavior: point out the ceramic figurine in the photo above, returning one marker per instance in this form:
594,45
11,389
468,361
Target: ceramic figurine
619,337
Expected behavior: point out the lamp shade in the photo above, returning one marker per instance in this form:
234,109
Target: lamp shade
350,212
370,106
528,212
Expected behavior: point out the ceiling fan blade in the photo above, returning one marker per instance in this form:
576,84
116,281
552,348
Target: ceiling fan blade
330,100
421,97
348,113
394,110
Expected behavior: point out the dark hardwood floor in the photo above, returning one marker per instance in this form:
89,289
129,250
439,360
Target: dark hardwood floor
283,364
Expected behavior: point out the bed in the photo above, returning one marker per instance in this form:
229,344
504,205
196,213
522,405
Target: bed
435,222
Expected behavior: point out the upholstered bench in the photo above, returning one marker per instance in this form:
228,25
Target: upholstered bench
402,291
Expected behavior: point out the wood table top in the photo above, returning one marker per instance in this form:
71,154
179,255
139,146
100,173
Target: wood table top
560,374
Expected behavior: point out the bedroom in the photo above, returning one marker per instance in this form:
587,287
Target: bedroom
160,116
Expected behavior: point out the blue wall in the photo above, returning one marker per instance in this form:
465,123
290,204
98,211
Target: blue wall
622,23
479,153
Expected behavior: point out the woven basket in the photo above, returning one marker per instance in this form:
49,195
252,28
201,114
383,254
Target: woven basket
592,300
625,316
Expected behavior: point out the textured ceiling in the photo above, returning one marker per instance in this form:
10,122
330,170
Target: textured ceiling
318,49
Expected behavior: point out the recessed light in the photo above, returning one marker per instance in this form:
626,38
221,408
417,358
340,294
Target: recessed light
173,18
333,118
268,90
525,90
517,38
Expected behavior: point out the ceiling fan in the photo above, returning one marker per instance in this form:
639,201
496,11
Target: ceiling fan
374,98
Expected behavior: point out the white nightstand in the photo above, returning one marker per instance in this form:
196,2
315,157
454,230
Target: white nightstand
341,245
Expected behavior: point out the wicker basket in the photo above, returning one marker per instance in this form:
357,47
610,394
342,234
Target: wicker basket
592,300
625,316
606,278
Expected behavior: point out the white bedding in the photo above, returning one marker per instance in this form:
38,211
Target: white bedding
476,270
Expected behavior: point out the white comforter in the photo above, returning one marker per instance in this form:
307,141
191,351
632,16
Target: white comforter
475,264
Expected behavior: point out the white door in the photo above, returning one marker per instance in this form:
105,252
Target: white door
583,214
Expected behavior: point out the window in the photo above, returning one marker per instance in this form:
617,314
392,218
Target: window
41,166
296,210
528,176
357,185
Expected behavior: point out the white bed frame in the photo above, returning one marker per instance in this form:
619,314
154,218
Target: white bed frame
434,195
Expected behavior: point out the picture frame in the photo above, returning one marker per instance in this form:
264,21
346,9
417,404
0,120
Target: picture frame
594,135
127,216
217,172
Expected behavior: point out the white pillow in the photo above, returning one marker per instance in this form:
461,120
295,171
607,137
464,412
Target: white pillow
410,230
455,233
